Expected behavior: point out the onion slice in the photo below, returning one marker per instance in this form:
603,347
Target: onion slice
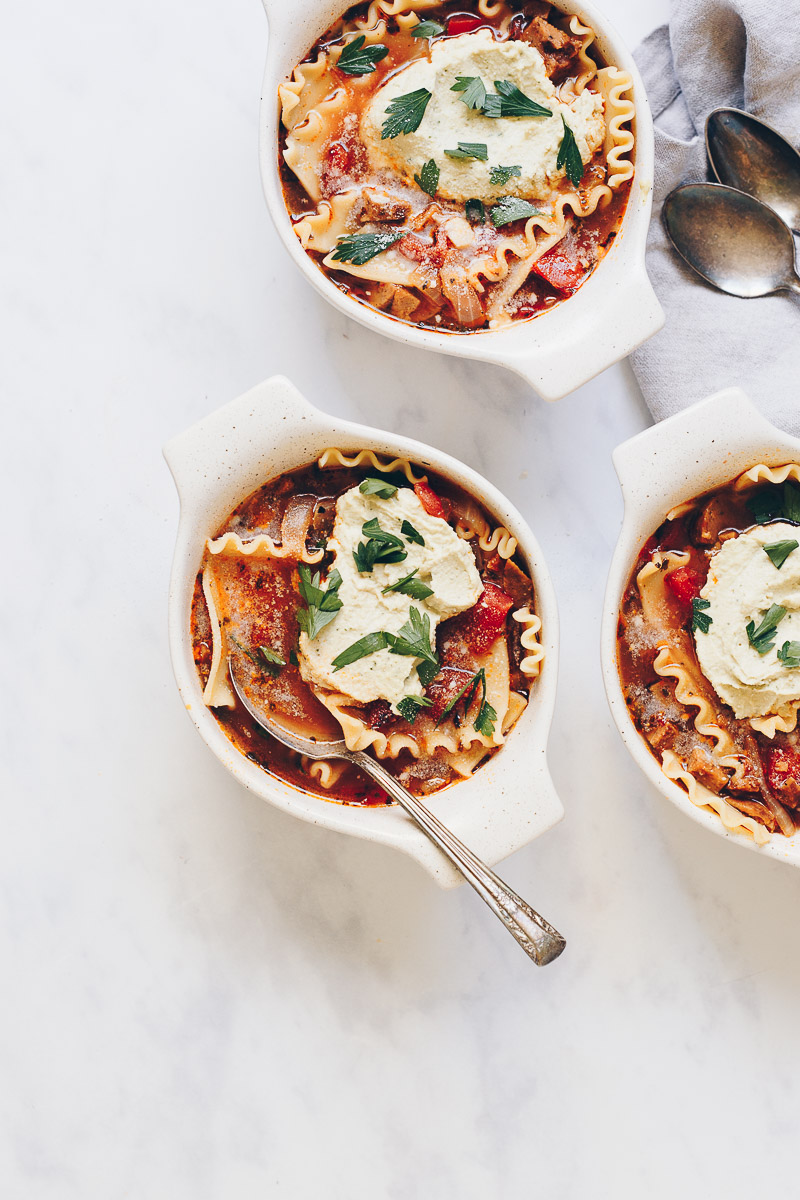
463,297
295,523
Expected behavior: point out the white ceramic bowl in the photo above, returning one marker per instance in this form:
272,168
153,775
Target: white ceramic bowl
220,461
700,448
608,317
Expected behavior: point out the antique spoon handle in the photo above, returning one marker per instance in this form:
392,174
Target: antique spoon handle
538,939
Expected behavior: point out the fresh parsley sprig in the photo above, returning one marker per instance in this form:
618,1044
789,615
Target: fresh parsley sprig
381,546
371,643
700,619
475,211
778,552
428,177
263,657
487,716
477,150
776,503
410,706
323,603
412,639
409,586
569,156
789,654
404,114
513,102
427,29
377,487
473,90
511,208
358,59
359,248
498,176
762,636
411,534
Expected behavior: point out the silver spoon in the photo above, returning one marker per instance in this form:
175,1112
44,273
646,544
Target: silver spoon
731,239
539,940
750,155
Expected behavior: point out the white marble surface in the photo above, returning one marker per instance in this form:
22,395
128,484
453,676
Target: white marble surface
203,998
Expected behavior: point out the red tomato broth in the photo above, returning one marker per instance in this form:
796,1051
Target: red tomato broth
585,245
264,597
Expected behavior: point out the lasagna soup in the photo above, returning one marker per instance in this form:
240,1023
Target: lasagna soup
362,598
457,166
709,649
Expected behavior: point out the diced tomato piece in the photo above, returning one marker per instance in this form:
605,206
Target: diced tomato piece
379,715
463,23
783,773
487,619
561,271
434,505
685,584
339,157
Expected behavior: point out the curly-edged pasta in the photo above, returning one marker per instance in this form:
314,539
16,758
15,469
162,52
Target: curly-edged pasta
383,194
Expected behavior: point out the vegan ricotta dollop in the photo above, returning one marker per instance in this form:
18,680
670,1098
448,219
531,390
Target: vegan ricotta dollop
532,143
742,584
446,564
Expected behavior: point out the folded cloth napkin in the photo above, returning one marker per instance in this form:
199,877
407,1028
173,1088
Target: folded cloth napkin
745,54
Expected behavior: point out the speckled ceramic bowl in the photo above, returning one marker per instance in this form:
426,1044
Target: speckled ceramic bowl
608,317
700,448
219,462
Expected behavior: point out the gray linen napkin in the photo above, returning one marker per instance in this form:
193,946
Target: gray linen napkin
746,54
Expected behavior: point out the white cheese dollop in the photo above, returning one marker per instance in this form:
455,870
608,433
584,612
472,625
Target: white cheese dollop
531,143
742,584
445,563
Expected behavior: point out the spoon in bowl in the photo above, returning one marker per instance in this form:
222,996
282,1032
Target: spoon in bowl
751,156
538,939
731,239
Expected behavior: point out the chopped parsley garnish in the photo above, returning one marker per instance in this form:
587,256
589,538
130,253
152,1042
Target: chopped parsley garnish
473,90
358,59
413,535
381,546
776,503
511,102
511,208
263,657
470,150
372,529
409,586
778,552
413,639
762,637
501,175
569,156
323,603
487,716
377,487
409,707
789,654
428,178
427,29
359,248
700,619
360,649
404,115
475,212
293,659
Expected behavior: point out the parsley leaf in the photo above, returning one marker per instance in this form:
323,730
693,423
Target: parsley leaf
323,604
293,659
773,502
485,720
501,175
359,248
510,208
413,535
404,115
377,487
700,619
473,90
409,586
409,707
427,29
360,649
428,178
381,546
414,639
789,654
358,59
372,529
470,150
791,502
778,552
263,657
762,638
514,103
475,212
569,156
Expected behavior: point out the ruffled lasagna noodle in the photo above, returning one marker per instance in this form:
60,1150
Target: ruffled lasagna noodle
249,590
678,608
457,261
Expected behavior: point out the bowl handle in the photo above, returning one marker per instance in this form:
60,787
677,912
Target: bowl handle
670,447
268,410
554,372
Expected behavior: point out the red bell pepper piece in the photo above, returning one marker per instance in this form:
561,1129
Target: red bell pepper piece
487,619
434,505
463,23
561,271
